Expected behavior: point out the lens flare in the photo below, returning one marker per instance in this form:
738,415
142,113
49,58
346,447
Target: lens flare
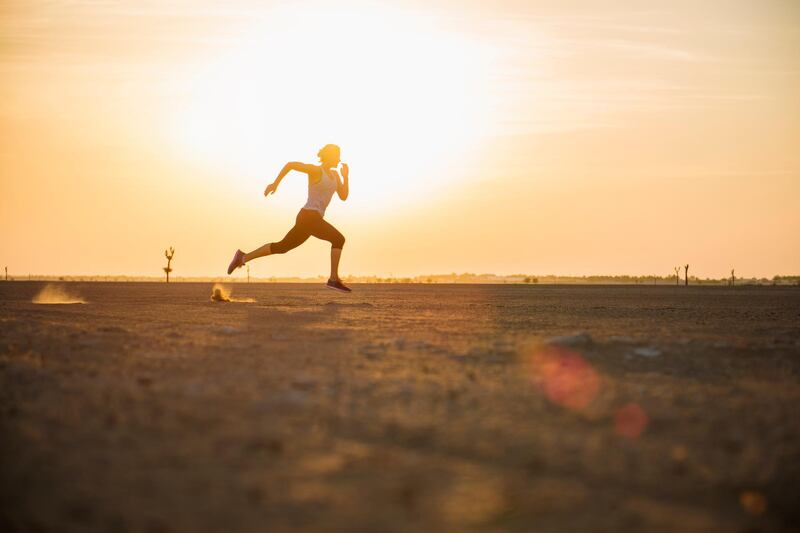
753,502
630,421
564,377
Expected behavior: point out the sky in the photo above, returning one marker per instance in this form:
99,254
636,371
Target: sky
551,137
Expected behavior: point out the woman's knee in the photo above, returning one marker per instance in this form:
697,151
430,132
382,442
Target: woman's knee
278,248
338,242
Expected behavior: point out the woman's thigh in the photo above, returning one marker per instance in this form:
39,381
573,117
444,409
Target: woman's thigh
322,229
294,238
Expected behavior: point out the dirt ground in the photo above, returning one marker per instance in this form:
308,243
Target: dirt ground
152,408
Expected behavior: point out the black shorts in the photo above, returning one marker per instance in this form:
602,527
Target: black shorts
308,222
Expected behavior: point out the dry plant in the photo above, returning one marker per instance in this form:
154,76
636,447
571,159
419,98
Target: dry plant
169,255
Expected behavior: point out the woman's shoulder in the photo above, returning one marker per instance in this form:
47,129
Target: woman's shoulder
314,172
312,169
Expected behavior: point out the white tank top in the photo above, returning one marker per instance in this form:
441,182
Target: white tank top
321,192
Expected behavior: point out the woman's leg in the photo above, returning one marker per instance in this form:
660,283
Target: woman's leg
325,231
294,238
336,254
258,252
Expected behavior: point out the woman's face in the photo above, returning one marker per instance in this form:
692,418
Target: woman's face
331,161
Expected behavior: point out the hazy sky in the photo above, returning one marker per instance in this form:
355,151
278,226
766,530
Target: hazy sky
595,137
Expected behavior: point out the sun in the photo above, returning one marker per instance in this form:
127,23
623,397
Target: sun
405,98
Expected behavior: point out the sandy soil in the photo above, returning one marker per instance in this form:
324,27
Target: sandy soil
399,408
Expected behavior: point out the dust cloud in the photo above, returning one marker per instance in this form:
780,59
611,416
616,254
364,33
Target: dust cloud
54,294
221,293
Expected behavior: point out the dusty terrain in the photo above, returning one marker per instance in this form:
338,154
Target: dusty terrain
400,408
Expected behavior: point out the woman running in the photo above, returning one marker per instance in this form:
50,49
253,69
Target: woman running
323,180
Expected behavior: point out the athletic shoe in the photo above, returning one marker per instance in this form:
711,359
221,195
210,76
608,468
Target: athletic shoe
337,285
237,261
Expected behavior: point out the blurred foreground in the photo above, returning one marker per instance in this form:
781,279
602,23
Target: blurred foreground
150,407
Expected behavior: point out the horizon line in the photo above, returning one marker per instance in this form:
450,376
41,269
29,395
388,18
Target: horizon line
465,277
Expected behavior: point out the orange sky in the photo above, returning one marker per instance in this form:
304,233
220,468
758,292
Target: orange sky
596,137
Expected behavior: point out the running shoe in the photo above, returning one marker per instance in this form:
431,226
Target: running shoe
337,285
237,261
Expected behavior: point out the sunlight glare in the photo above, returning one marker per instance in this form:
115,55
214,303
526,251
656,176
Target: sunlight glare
404,99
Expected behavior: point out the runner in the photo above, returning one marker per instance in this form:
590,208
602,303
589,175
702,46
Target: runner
323,181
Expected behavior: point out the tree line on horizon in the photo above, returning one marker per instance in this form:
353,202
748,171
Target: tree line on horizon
453,277
522,279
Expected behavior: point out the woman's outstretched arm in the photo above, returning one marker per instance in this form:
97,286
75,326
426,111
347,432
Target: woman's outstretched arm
288,167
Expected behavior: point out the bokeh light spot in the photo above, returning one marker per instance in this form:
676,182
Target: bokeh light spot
630,421
565,377
753,502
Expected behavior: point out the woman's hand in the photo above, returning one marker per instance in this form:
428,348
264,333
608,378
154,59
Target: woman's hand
271,188
343,186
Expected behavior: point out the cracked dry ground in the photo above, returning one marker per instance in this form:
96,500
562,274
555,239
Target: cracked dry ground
400,408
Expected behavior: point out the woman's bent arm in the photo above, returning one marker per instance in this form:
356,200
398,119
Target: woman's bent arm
288,167
343,187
